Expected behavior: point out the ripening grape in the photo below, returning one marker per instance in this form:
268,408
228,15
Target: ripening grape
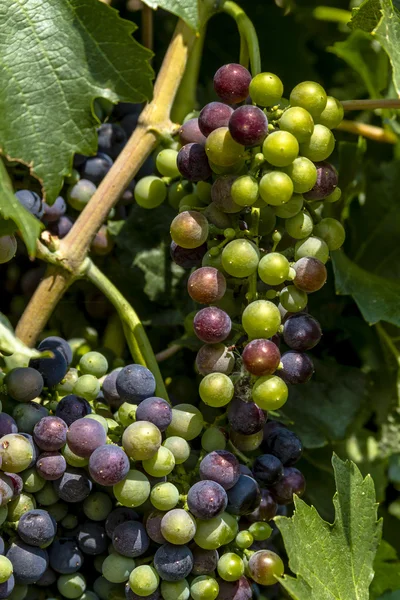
311,274
206,285
222,149
221,194
248,125
212,325
265,567
261,357
189,229
213,116
190,133
192,162
325,182
215,358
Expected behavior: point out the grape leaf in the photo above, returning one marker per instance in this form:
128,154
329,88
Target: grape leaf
388,34
334,562
366,16
391,596
187,10
154,265
56,58
387,570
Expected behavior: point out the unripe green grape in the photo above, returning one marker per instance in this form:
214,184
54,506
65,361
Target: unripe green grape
19,592
265,567
261,319
117,568
240,258
244,539
97,506
313,246
216,217
161,464
32,481
273,268
246,443
221,148
19,506
72,585
244,190
269,392
303,173
141,440
267,220
133,490
47,495
8,248
204,587
166,163
309,95
213,533
298,122
276,188
291,208
175,590
93,363
216,389
6,569
150,191
127,413
87,386
260,531
16,452
213,439
67,384
189,202
187,422
266,89
164,496
333,113
58,511
300,226
78,195
293,299
334,197
189,229
178,526
280,148
176,192
237,167
144,580
203,191
99,419
211,260
230,567
73,459
332,232
320,145
179,448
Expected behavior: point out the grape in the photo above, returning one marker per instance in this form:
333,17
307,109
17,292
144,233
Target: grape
244,496
29,563
166,162
31,201
8,248
193,163
84,436
214,533
37,528
220,466
266,510
214,358
129,595
213,116
221,194
216,389
221,148
231,83
276,188
187,258
73,486
311,274
117,516
111,139
87,386
164,496
135,383
51,465
332,232
62,227
179,448
178,527
96,168
301,332
97,506
204,561
217,217
173,563
244,190
130,539
47,495
292,482
150,192
290,208
102,243
6,589
261,319
285,445
27,415
298,122
314,247
141,440
19,505
155,410
73,459
261,357
280,148
213,439
265,567
71,586
240,258
245,418
235,590
303,174
24,384
133,490
212,325
244,539
270,392
273,268
204,588
260,531
53,370
32,481
292,299
189,229
53,213
17,483
153,526
6,569
16,452
206,285
178,590
187,422
325,183
230,567
207,499
332,115
297,367
309,95
320,145
190,133
160,464
78,195
8,424
50,433
267,469
248,125
93,363
266,89
57,343
117,568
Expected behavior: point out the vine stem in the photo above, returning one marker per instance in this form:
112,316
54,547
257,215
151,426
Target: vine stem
369,131
371,104
147,27
168,352
247,33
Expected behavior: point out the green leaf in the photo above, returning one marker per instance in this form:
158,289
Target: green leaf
387,570
154,266
391,596
9,344
351,171
187,10
12,211
366,16
376,297
388,34
334,562
78,50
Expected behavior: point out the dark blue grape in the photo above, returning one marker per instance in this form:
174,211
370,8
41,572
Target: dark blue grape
96,168
118,516
135,383
244,496
267,469
65,556
62,227
207,499
7,424
129,595
213,116
245,417
301,332
29,563
53,213
85,435
51,465
292,482
109,388
50,433
71,408
298,367
108,465
190,133
285,445
112,138
24,384
266,510
37,528
92,538
220,466
187,258
156,410
73,486
204,561
173,563
48,578
53,369
7,587
235,590
130,539
58,343
193,163
31,201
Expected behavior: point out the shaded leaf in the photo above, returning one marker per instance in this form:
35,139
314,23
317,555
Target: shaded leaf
154,266
351,171
388,34
187,10
387,570
366,16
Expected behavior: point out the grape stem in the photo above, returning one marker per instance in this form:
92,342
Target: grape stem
248,36
168,352
316,218
371,104
246,461
147,27
369,131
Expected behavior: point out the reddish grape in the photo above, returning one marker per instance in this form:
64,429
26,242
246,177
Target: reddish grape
265,566
301,332
51,466
50,433
204,561
212,325
266,510
193,163
248,125
108,465
261,357
327,180
297,367
220,466
292,482
85,435
213,116
153,526
231,83
207,499
245,417
221,194
206,285
190,132
311,274
187,258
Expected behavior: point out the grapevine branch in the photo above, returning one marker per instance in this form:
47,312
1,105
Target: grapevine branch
371,104
369,131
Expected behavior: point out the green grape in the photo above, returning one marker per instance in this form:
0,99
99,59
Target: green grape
244,539
175,590
260,531
300,226
291,208
32,480
309,95
97,506
298,122
266,89
293,299
89,596
332,232
276,188
189,202
189,229
67,384
73,459
107,590
204,587
187,422
273,268
179,448
265,567
19,592
6,569
164,496
166,163
127,414
161,464
98,562
117,568
244,190
58,511
240,258
216,217
216,389
247,443
70,522
332,115
280,148
47,495
8,248
78,195
27,415
150,192
213,533
312,246
221,148
100,419
133,490
234,169
334,197
211,260
16,453
93,363
213,439
72,585
176,192
203,191
178,526
320,145
230,567
141,440
269,392
303,174
267,220
261,319
87,386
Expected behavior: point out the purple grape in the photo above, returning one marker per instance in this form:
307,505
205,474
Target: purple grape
190,133
245,417
85,435
156,410
53,213
112,138
298,367
31,201
102,243
213,116
71,408
292,482
62,227
204,561
327,180
65,556
29,562
207,499
7,424
117,516
153,526
193,163
187,258
7,587
58,343
261,357
37,528
6,489
135,383
73,486
173,563
248,125
48,578
285,445
109,389
221,194
51,466
235,590
301,332
212,325
108,465
266,510
50,433
96,168
244,497
267,469
220,466
231,83
130,539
